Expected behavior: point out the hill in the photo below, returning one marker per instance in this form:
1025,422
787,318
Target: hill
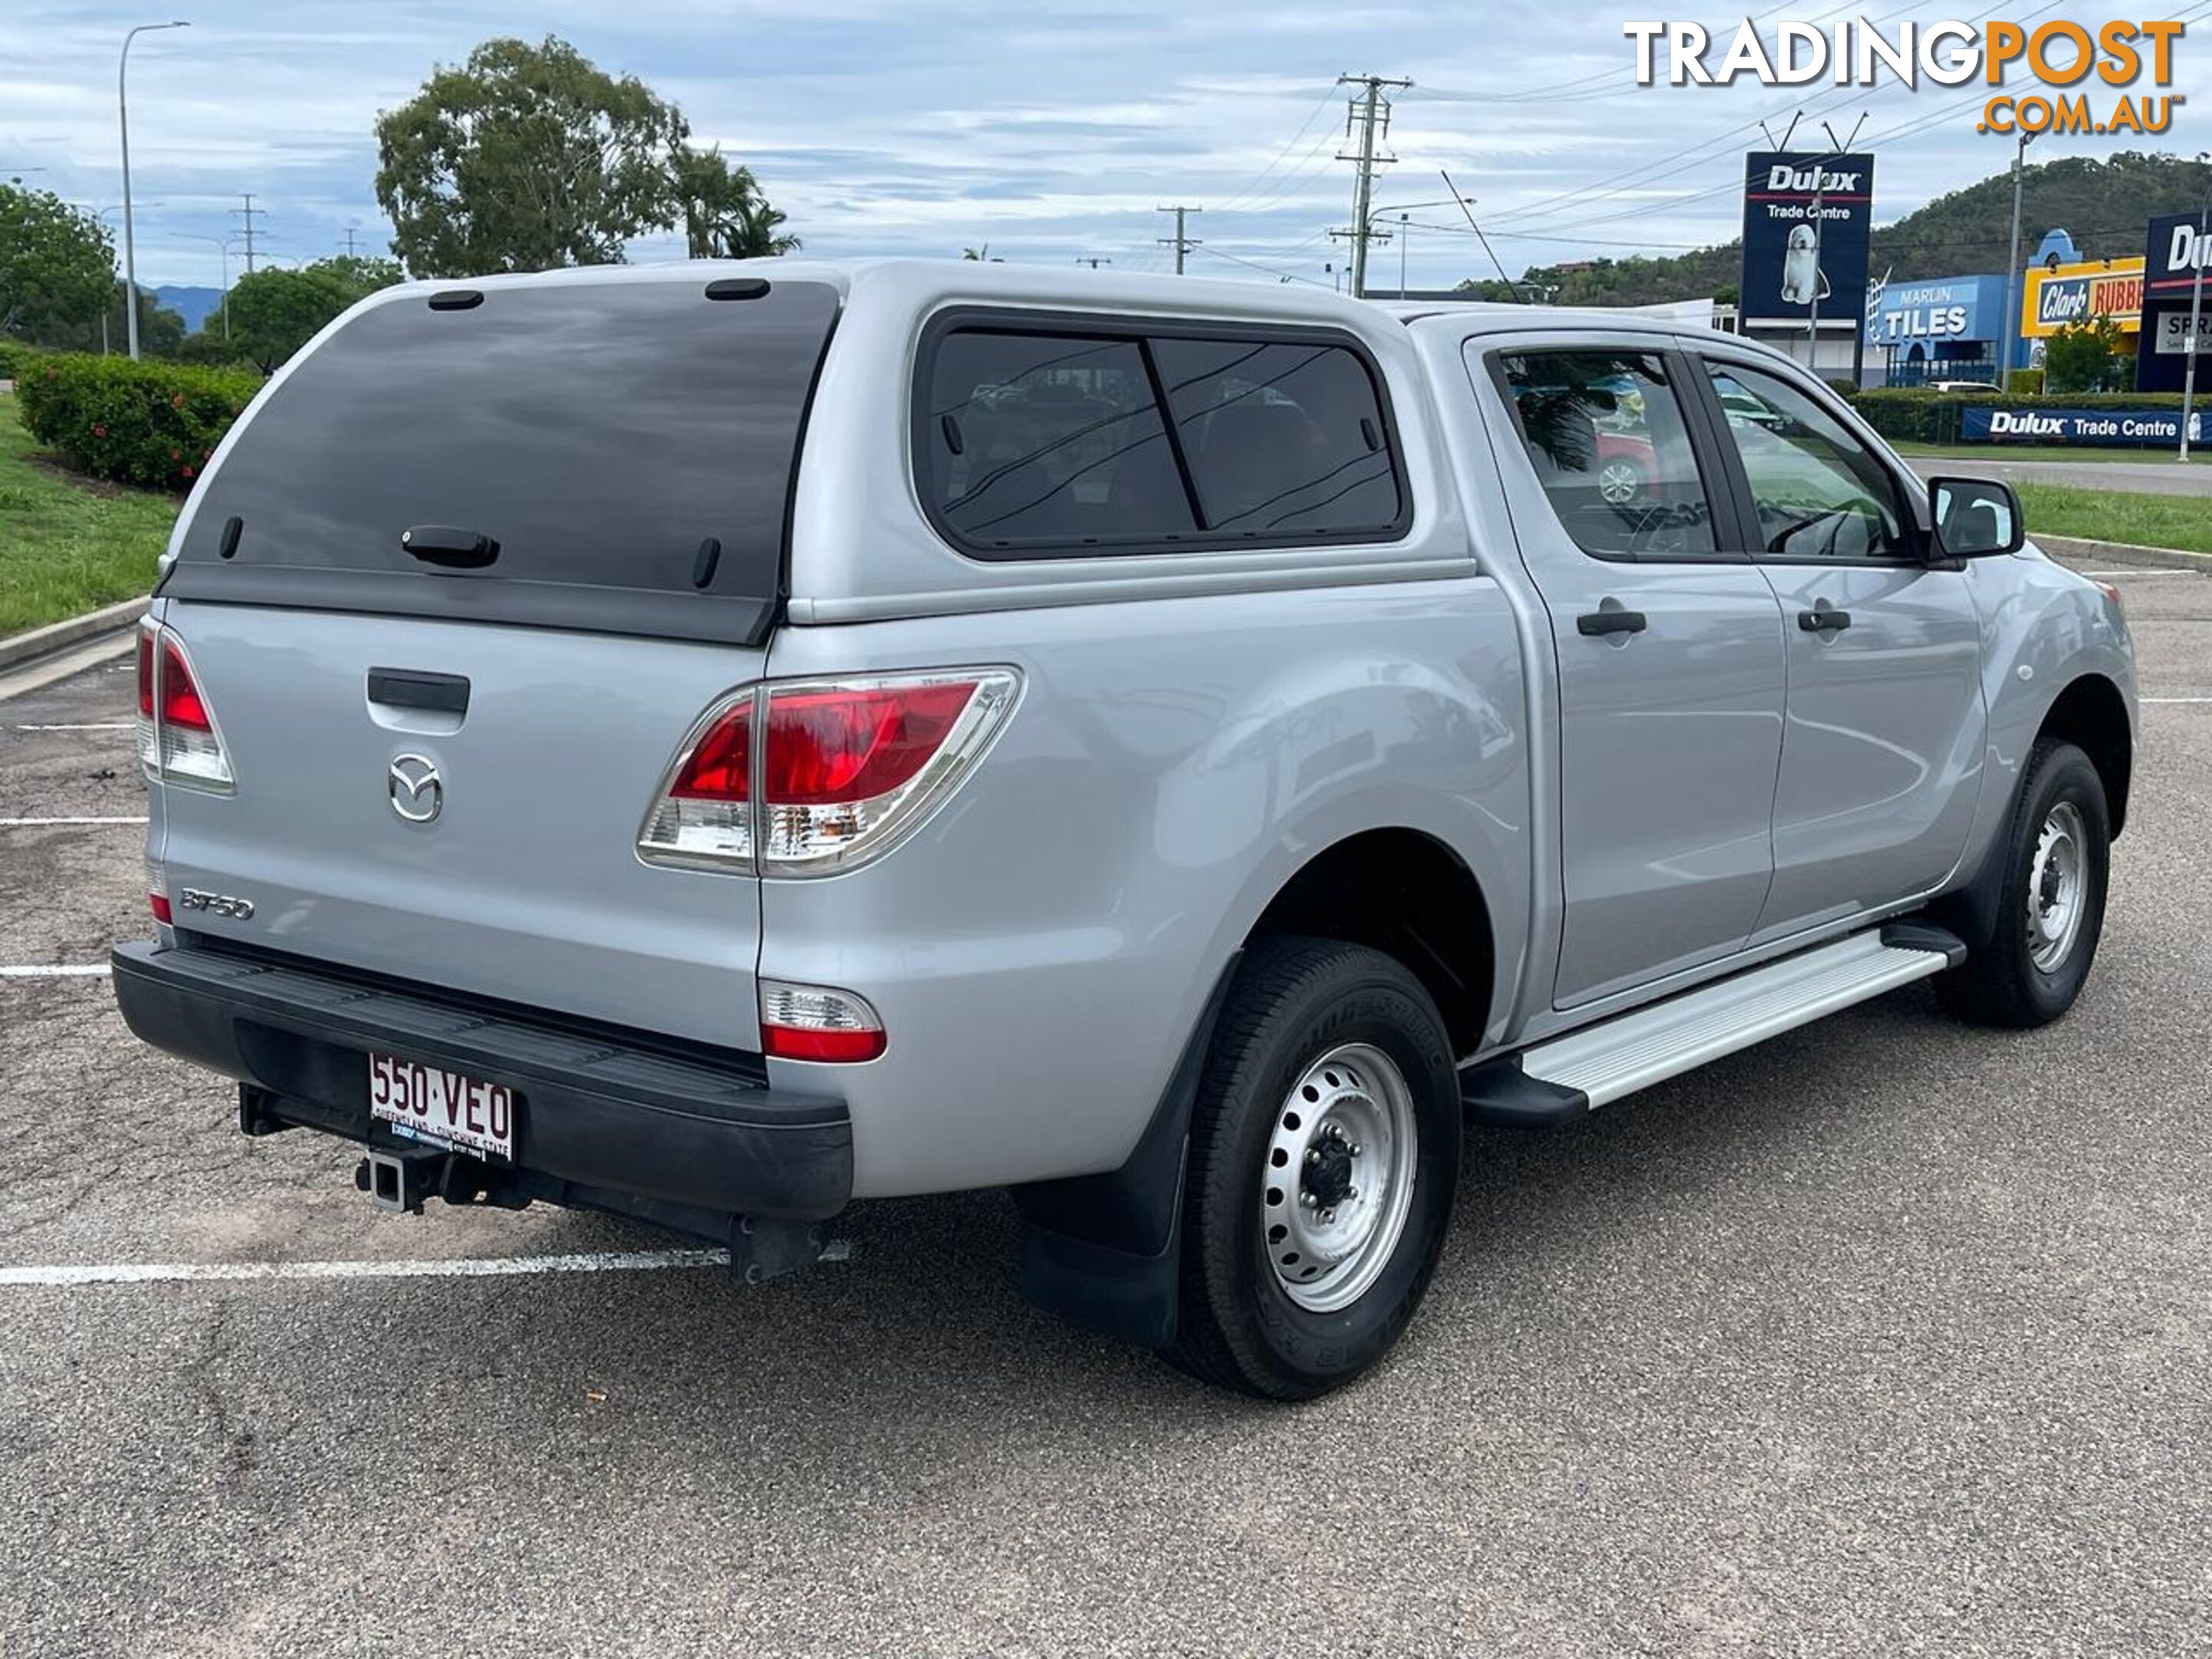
194,305
2105,203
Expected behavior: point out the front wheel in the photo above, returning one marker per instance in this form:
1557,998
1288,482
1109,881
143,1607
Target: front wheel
2051,907
1324,1151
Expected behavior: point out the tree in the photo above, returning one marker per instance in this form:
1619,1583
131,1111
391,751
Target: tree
724,215
57,267
527,157
2083,357
274,313
359,274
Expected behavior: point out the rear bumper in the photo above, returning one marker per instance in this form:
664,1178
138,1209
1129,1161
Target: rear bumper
616,1120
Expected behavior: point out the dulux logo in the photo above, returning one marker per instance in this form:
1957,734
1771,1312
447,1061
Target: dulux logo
1811,178
2003,424
2189,250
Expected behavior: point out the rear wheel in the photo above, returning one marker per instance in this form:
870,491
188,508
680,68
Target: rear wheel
2051,909
1324,1151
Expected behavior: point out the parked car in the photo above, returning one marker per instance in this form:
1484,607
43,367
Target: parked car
1964,386
717,745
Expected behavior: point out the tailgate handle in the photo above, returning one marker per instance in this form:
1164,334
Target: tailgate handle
408,688
450,545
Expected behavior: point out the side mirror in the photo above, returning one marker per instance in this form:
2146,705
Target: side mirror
1975,518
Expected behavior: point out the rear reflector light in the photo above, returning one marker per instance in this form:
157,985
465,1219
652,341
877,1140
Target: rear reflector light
703,818
158,904
183,747
845,770
817,1022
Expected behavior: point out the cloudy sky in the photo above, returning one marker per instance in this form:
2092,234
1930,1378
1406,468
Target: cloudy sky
1049,130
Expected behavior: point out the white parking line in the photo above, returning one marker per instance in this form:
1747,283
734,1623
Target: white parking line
91,725
2142,575
34,823
165,1273
2175,700
65,970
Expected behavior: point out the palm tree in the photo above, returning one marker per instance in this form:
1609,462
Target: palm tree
724,215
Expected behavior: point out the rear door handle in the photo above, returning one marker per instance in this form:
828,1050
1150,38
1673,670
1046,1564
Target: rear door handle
1599,622
1824,618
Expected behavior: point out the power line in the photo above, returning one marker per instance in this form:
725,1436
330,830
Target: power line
1230,205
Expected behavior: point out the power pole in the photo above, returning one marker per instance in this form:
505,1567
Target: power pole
1093,260
1180,243
1370,111
249,210
349,233
2011,335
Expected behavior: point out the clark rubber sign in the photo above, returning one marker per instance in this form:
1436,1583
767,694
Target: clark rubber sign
1805,222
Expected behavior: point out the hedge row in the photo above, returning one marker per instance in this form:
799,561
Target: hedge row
152,424
16,356
1912,414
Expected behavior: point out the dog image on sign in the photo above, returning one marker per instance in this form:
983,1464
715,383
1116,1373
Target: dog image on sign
1802,275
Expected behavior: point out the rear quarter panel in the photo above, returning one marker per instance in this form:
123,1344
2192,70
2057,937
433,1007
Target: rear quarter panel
1041,949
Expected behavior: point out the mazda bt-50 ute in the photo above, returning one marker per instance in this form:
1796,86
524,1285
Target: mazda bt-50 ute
719,743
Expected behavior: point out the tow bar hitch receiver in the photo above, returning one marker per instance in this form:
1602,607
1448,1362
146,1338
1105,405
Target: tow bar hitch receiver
400,1181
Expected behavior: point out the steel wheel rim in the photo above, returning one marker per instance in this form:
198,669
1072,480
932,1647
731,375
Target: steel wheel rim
1618,482
1337,1182
2057,887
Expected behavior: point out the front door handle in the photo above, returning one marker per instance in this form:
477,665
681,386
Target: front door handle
1596,623
1824,618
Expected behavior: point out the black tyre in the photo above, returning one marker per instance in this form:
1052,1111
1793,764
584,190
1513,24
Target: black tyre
1324,1151
2050,908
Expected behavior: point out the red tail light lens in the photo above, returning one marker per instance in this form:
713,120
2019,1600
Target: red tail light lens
158,904
180,698
834,746
145,674
719,766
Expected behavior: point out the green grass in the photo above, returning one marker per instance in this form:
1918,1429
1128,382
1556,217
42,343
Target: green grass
2035,452
2115,515
68,547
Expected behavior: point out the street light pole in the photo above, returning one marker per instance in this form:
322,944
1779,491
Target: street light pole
2195,342
122,115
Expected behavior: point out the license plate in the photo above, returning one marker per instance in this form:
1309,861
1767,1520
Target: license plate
430,1104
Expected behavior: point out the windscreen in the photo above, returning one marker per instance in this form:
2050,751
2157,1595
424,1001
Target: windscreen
620,443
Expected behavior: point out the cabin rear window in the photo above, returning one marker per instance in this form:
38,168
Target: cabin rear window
1036,442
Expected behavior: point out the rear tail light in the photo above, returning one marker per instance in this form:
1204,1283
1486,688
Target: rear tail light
157,892
149,751
178,741
818,1023
817,777
702,815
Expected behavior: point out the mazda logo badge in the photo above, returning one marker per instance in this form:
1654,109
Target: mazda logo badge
416,792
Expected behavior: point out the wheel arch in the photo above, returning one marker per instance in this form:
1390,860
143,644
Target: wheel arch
1404,892
2091,715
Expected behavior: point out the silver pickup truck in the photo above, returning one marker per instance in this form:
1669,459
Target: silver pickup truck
713,743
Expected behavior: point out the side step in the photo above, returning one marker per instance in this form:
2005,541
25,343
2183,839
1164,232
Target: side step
1568,1076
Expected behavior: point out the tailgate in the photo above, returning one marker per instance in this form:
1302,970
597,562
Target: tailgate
525,885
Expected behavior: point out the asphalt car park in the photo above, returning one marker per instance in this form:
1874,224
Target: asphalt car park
1889,1335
